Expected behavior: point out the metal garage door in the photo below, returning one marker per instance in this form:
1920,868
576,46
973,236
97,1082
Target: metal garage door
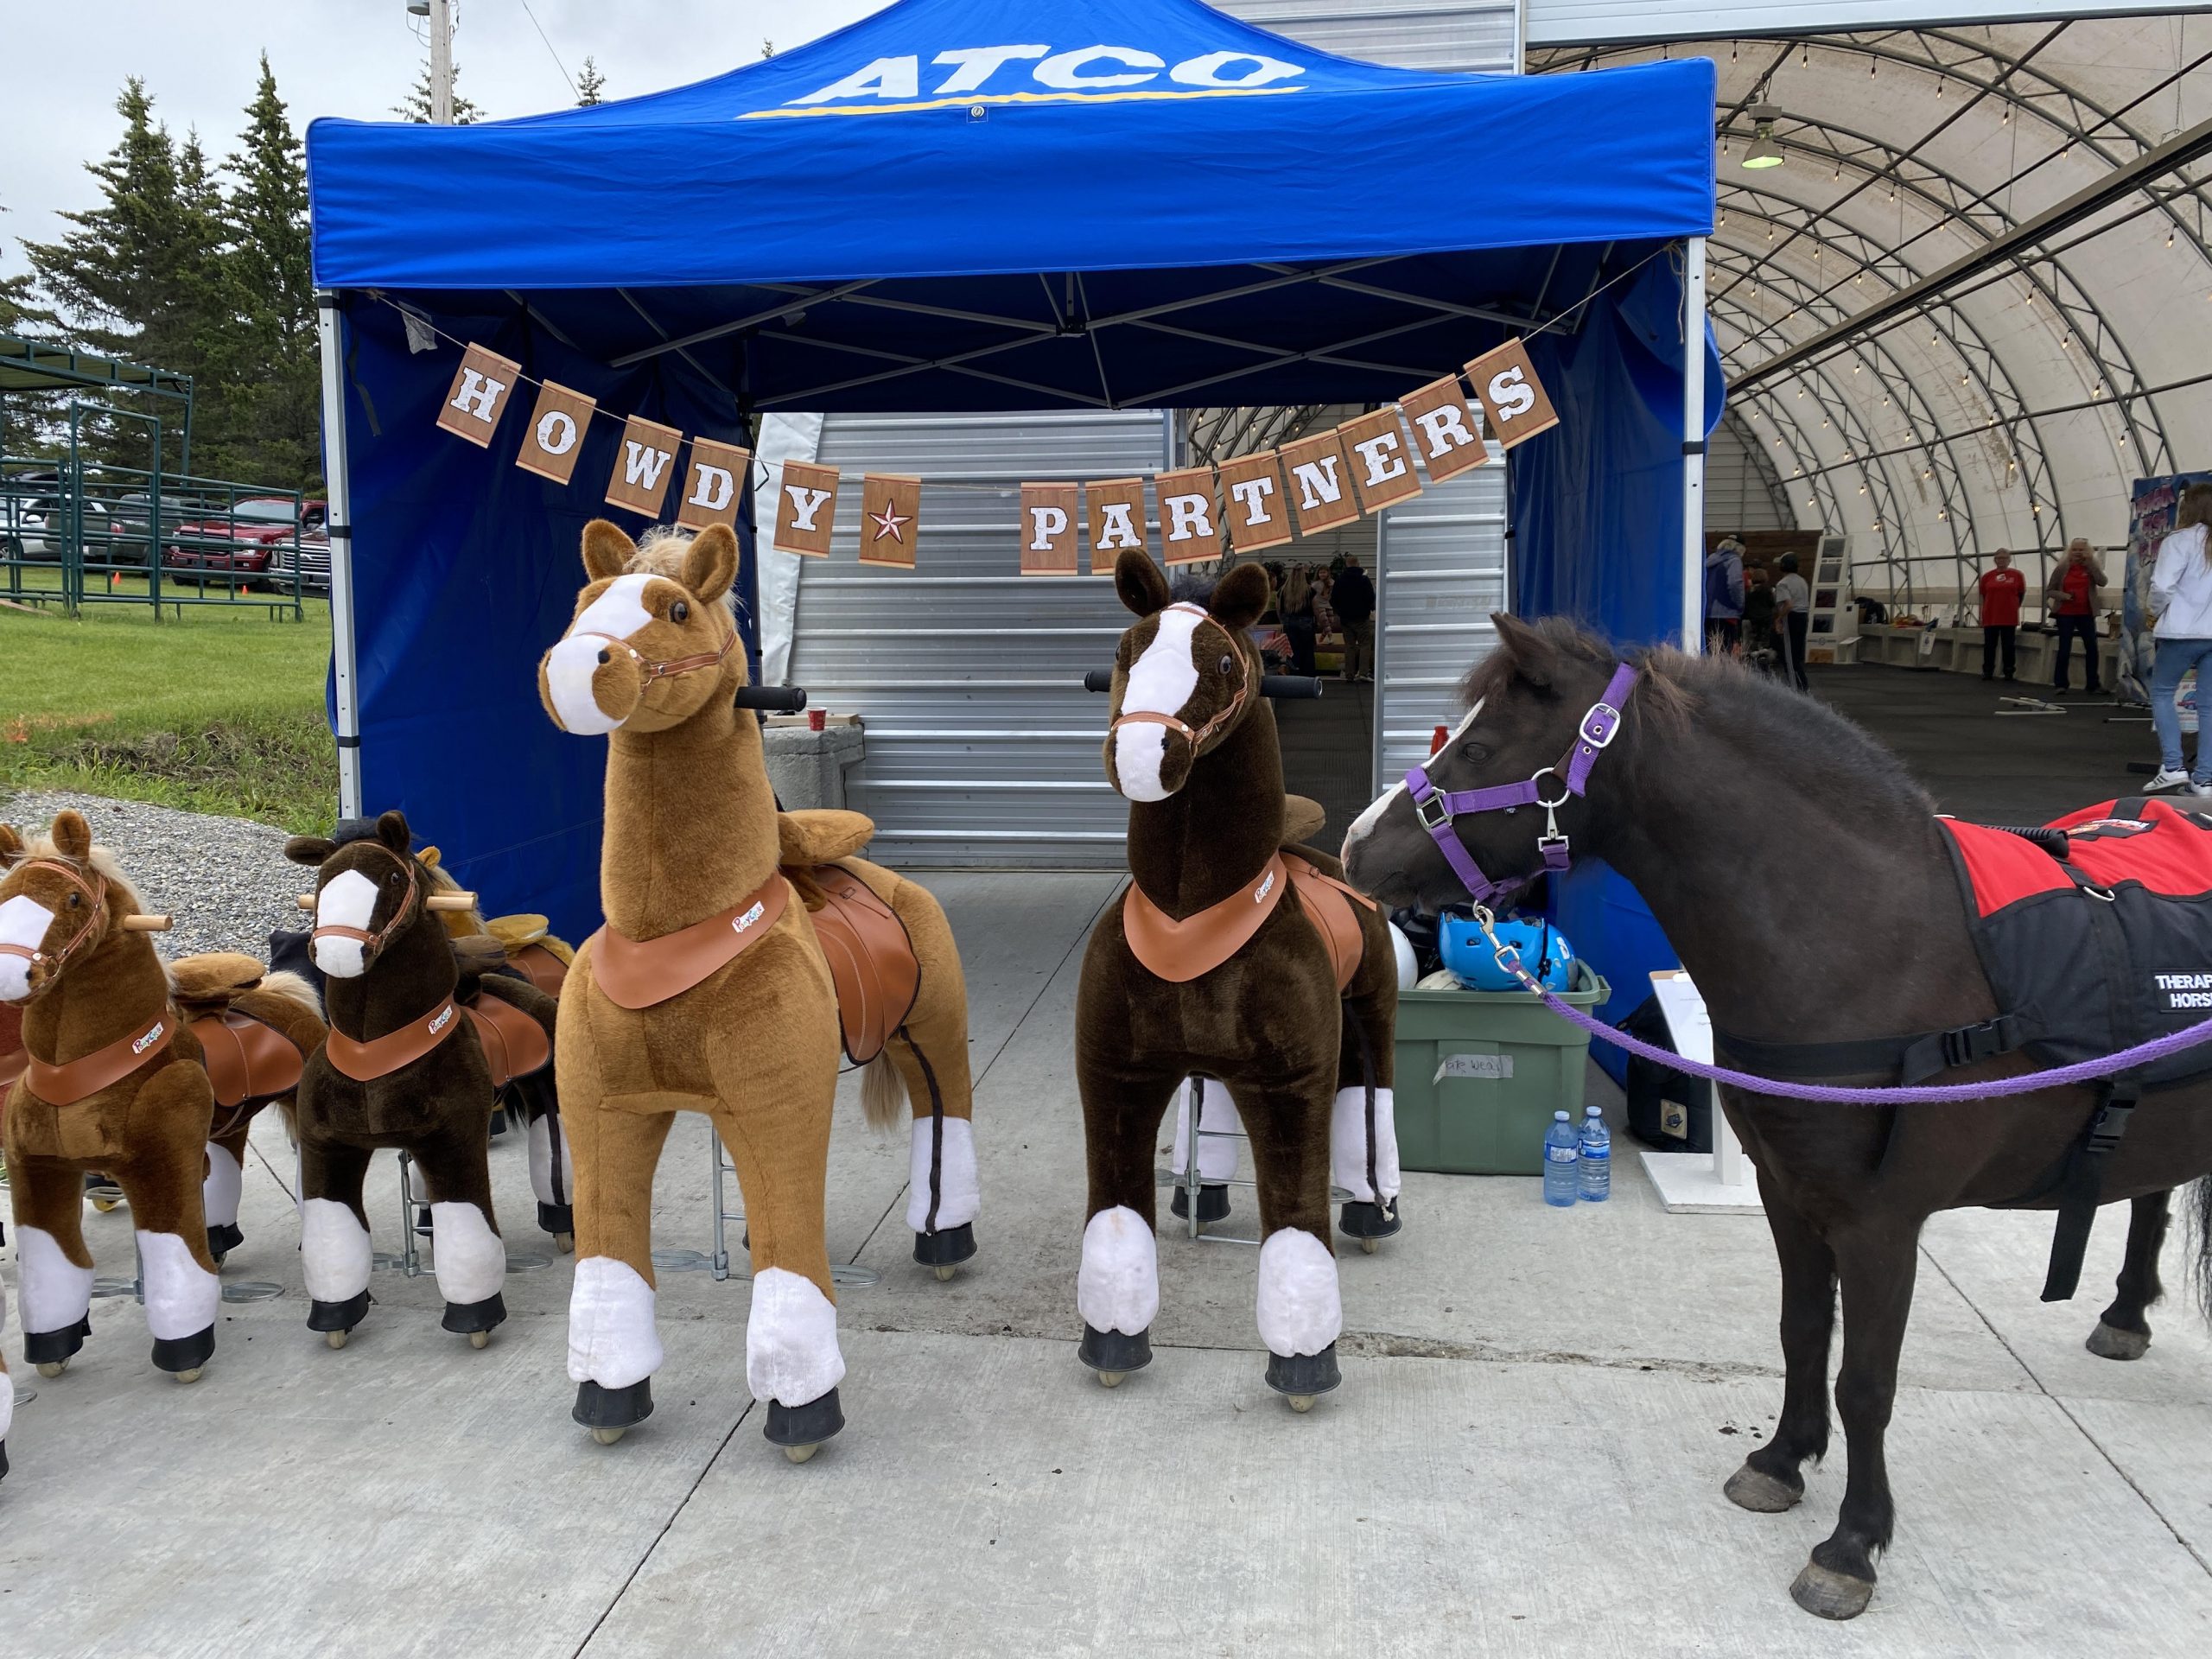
982,746
1443,572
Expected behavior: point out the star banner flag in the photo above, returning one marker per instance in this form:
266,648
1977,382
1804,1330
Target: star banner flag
891,510
1048,530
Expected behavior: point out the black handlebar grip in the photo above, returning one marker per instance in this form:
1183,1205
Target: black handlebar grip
1289,685
1099,679
773,699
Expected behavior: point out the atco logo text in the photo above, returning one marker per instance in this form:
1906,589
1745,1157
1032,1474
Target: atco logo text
1009,74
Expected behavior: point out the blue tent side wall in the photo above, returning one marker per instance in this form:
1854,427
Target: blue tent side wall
466,569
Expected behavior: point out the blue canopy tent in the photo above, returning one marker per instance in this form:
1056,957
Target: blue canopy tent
969,204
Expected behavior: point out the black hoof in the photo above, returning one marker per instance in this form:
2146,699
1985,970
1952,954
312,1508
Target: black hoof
1826,1593
1358,1220
466,1318
222,1239
556,1217
807,1425
1111,1354
1304,1376
52,1347
338,1316
946,1246
184,1353
614,1408
1213,1203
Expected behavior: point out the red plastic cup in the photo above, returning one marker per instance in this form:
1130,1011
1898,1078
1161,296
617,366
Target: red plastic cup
817,720
1438,740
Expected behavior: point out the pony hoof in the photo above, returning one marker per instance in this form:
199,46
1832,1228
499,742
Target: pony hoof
801,1454
1106,1379
944,1270
1760,1493
335,1338
1828,1595
565,1243
480,1338
1368,1246
1300,1403
2108,1342
192,1376
54,1368
608,1436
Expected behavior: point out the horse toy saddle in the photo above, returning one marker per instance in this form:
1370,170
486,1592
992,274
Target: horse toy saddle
246,1058
872,960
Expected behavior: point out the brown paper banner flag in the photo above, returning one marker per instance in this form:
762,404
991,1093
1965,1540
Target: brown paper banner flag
1116,507
1048,530
1515,404
806,508
1382,465
1445,432
1252,497
479,395
644,464
555,439
891,511
714,486
1320,483
1190,522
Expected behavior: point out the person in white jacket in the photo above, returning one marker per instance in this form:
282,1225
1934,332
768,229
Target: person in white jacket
2181,600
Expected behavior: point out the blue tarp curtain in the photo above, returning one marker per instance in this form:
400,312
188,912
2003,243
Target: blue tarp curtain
958,205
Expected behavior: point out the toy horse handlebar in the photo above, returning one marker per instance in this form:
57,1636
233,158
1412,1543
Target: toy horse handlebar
1289,686
435,901
143,924
773,699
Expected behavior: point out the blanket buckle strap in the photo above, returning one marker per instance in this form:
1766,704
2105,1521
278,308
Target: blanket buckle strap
2081,1188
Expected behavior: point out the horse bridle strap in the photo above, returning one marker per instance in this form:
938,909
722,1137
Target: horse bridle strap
1194,737
675,666
96,913
371,943
67,1084
1437,808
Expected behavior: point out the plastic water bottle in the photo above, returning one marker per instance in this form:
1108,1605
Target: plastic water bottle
1597,1157
1562,1154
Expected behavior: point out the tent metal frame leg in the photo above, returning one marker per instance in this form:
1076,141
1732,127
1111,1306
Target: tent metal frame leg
344,668
1694,444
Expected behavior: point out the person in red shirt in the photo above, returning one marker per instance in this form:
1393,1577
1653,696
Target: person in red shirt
2002,590
2072,597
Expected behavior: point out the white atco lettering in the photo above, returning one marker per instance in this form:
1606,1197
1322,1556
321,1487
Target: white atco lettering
974,68
978,64
885,77
1059,70
1510,394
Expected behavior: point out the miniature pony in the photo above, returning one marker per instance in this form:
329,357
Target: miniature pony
709,990
1236,957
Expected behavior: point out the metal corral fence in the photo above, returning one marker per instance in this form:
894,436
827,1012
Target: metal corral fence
74,533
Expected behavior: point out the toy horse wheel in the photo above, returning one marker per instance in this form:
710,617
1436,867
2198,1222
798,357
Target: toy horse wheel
104,1205
564,1243
335,1338
1371,1245
801,1454
479,1338
945,1271
52,1367
192,1376
1110,1379
608,1436
1300,1403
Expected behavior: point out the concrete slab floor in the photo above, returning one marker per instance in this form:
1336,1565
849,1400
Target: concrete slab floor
1538,1410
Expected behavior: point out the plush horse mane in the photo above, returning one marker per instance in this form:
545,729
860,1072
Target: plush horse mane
661,552
102,861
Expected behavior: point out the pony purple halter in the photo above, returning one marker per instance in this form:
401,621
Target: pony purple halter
1436,808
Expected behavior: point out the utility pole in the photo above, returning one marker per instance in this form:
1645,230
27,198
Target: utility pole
441,63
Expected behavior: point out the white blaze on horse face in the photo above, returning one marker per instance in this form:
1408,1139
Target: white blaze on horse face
1161,682
1363,825
617,613
24,921
347,899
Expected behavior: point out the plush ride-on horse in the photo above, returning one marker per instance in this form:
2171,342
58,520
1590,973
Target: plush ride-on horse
709,990
112,1081
1677,771
417,1050
1235,957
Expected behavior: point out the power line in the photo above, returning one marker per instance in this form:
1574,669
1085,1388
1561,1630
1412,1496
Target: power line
555,56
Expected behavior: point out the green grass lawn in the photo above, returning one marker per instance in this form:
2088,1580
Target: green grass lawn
219,709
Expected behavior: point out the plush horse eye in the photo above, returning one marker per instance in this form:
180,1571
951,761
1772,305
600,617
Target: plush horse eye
1224,665
679,611
75,900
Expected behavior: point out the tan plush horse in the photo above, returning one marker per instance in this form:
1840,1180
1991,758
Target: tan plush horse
709,990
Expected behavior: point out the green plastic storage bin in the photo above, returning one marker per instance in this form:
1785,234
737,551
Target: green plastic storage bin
1481,1072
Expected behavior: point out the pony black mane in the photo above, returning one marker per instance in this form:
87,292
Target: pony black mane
1823,754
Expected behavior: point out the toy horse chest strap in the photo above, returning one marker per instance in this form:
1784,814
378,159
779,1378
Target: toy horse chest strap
871,960
1328,904
81,1078
641,973
514,1044
1179,952
246,1058
365,1061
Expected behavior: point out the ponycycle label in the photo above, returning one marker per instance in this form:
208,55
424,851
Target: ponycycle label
1494,1066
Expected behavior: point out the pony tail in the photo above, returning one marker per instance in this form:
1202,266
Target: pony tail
883,1091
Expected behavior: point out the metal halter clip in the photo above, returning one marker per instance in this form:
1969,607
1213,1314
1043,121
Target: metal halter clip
1443,818
1551,837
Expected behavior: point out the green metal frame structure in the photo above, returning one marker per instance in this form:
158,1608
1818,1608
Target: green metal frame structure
41,366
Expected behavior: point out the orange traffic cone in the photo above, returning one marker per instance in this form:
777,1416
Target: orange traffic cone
114,581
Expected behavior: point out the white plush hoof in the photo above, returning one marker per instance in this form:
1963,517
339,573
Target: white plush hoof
192,1376
1106,1379
608,1436
945,1270
480,1338
1300,1403
801,1454
335,1338
54,1368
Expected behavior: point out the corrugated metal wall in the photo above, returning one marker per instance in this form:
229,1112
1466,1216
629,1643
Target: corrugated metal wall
1412,34
1443,561
1740,490
982,746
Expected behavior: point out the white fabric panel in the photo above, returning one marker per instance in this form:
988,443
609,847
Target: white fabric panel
783,437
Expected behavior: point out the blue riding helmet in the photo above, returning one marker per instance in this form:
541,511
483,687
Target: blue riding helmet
1546,956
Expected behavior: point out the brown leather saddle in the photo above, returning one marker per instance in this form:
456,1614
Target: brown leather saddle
514,1045
871,958
1328,904
542,967
246,1058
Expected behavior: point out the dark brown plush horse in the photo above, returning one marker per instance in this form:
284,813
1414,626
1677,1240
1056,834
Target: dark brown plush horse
1711,767
1217,962
404,1067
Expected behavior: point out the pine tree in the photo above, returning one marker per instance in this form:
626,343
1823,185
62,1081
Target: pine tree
416,106
267,212
591,85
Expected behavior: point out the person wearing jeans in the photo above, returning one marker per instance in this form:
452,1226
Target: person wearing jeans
2071,596
2181,600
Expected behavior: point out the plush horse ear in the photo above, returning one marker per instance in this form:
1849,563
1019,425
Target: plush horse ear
11,845
392,831
1139,582
1240,597
73,836
607,550
1535,659
310,851
710,562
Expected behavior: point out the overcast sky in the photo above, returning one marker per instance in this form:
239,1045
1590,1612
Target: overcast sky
68,59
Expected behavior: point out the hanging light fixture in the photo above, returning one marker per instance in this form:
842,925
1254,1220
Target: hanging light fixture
1763,152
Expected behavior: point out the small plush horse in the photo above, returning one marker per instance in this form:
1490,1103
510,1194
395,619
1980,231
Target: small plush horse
1237,957
112,1081
1693,776
709,990
408,1063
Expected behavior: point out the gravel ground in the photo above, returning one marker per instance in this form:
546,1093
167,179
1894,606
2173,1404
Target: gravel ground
226,880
